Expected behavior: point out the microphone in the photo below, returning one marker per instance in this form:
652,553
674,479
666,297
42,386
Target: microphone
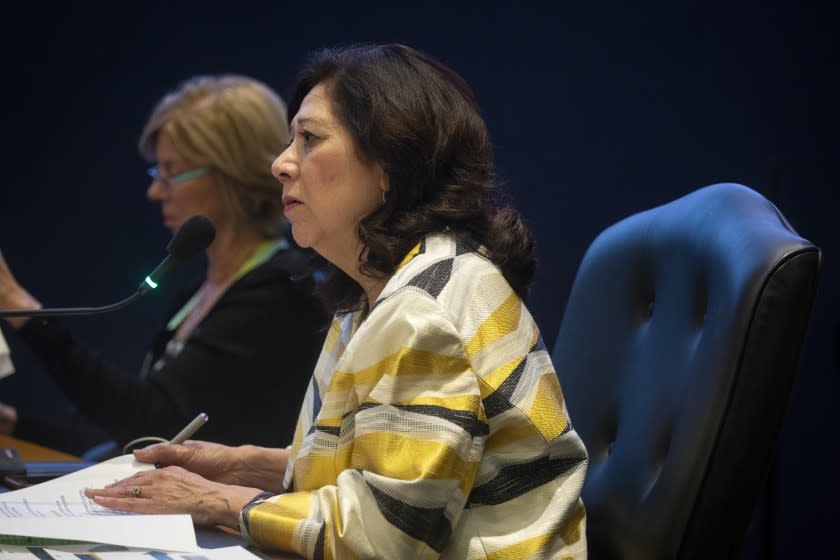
193,237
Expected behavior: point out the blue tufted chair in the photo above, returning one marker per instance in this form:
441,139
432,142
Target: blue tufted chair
676,353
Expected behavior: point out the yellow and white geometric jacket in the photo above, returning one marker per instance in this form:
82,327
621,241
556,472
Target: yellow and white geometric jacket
435,428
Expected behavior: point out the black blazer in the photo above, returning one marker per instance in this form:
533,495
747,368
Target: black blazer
247,365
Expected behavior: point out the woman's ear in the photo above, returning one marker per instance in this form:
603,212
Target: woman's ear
384,185
384,181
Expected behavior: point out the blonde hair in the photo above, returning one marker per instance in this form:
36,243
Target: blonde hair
235,125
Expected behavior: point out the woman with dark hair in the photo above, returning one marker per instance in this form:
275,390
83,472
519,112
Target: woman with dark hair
434,424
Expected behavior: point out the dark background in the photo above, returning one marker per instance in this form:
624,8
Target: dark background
597,110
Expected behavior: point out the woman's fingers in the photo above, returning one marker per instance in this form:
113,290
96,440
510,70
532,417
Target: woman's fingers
158,453
171,454
133,479
8,419
150,477
119,492
134,505
168,490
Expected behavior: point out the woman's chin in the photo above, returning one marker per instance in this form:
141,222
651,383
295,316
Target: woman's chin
301,239
171,224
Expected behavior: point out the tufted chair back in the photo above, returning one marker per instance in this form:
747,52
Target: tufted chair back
676,354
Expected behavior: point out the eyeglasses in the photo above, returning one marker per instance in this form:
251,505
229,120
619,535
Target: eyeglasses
169,182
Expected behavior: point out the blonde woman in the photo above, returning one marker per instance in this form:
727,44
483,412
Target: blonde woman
241,346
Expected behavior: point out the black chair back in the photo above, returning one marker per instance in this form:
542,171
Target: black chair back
676,354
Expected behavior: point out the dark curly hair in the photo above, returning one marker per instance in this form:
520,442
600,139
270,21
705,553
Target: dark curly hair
419,121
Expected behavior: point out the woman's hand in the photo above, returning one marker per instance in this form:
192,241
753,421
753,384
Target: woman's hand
8,419
13,296
175,490
247,465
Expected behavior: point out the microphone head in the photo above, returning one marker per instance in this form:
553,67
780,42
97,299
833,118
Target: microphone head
194,236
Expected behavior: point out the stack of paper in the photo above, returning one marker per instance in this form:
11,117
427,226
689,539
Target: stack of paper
59,510
101,553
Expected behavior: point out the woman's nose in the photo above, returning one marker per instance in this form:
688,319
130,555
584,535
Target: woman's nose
285,168
155,191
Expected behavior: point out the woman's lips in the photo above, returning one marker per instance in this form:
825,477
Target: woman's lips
290,204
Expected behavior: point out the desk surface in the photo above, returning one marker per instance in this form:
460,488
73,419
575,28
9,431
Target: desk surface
34,452
207,537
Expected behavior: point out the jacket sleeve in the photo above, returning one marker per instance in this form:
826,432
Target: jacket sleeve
409,429
102,392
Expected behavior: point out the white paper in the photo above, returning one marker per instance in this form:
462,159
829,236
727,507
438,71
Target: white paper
60,506
230,553
6,366
17,553
72,552
58,509
157,532
70,485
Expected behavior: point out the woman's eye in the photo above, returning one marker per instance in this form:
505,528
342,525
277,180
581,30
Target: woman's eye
308,137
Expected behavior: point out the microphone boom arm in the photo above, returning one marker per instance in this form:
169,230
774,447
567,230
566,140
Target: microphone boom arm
77,311
193,237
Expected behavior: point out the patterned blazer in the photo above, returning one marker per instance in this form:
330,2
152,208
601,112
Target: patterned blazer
433,428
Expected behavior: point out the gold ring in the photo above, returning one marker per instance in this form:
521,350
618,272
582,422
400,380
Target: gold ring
135,491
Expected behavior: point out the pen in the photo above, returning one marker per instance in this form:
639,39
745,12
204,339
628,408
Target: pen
190,429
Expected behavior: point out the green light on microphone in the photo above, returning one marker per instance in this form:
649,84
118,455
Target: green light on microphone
151,282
